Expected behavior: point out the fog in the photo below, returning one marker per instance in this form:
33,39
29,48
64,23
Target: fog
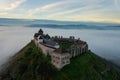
12,39
105,43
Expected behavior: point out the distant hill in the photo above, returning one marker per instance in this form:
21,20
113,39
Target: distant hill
58,24
77,26
31,64
10,21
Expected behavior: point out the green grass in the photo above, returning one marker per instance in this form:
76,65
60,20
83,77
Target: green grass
31,64
88,67
64,45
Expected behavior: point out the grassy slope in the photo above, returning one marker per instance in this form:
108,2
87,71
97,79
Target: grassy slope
89,67
30,64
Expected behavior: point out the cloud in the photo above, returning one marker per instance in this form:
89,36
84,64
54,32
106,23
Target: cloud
95,17
15,4
65,7
59,9
53,6
7,5
117,3
45,8
84,8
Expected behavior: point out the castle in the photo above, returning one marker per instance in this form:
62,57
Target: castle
60,49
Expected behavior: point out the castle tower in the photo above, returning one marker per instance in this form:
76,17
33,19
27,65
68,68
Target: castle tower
40,39
40,32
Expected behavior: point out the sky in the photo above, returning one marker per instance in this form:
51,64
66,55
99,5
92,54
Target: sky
63,10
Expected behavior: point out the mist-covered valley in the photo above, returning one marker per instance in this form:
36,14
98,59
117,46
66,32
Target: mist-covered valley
104,43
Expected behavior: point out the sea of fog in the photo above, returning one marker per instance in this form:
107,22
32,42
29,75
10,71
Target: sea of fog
105,43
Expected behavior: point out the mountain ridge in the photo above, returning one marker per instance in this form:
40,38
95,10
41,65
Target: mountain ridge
12,21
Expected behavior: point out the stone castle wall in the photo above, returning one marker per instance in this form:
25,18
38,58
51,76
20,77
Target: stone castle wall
46,50
60,60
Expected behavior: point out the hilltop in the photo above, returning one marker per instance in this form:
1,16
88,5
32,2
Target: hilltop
30,64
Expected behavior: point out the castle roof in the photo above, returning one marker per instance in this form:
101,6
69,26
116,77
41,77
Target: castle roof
50,42
40,32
